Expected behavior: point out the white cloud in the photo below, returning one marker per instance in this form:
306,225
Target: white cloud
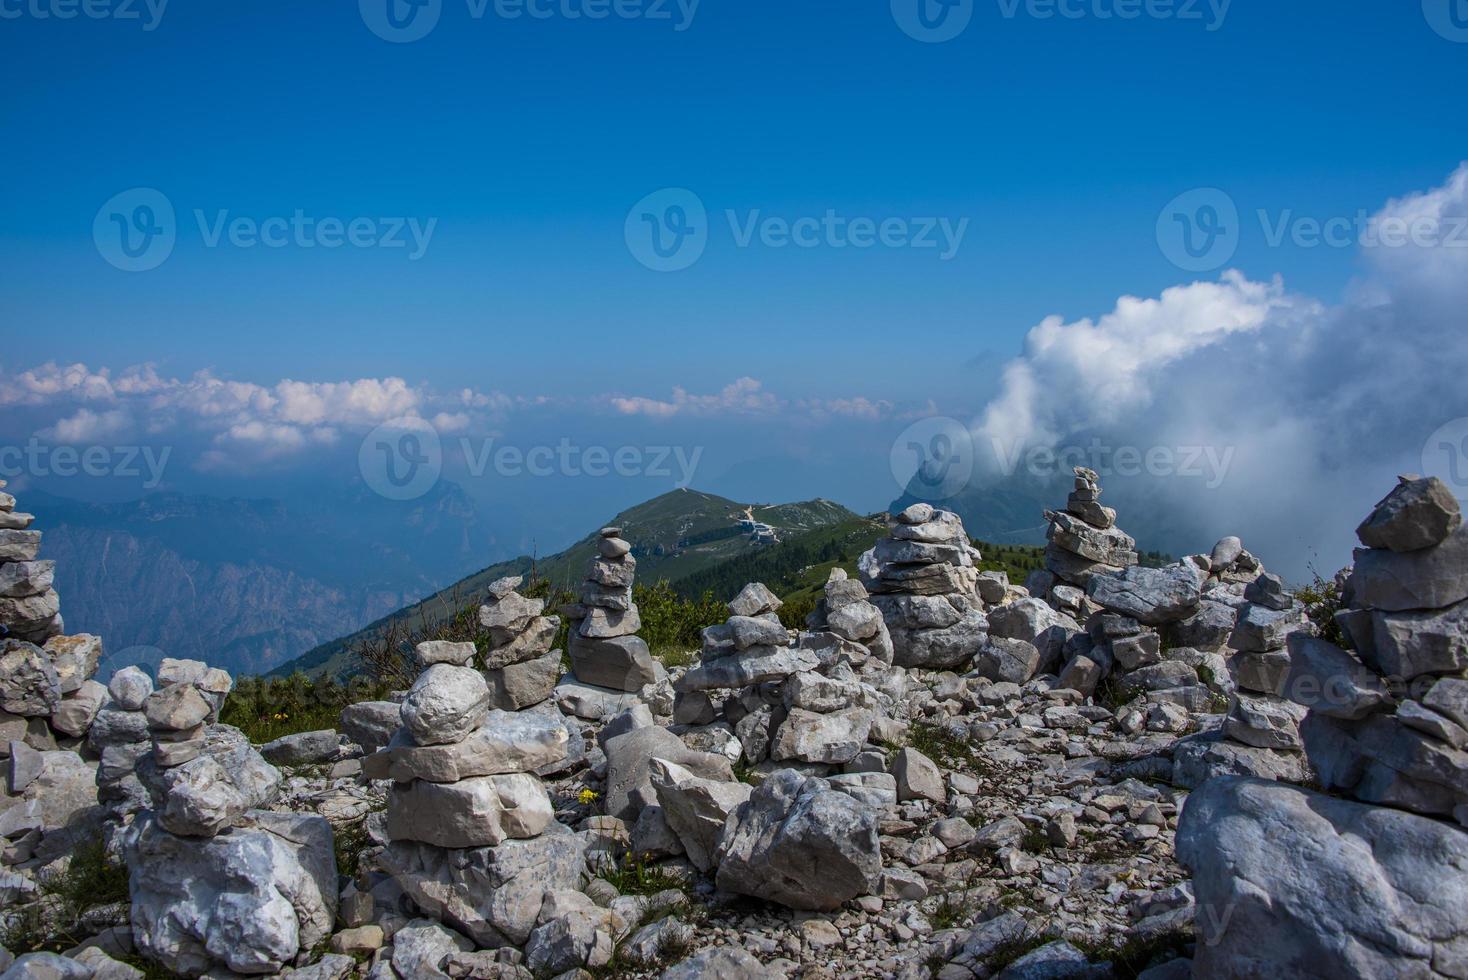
86,425
1318,405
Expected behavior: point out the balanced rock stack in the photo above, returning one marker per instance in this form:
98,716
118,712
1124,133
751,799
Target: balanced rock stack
1083,540
604,648
1258,715
216,879
473,839
845,609
120,738
924,581
29,607
752,647
1388,719
1297,881
520,665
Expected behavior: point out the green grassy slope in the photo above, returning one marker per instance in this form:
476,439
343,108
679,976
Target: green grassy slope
676,537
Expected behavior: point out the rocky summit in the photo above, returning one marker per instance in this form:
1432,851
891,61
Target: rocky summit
1111,771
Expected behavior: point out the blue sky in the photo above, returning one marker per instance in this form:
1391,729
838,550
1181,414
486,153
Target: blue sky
1059,140
529,140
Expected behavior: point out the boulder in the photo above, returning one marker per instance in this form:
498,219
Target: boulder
723,963
1151,596
75,658
1293,883
475,812
303,748
1265,721
29,685
696,808
1003,659
622,663
421,946
1331,681
918,777
1431,578
509,742
1409,644
492,894
798,842
176,708
445,704
524,684
629,768
129,688
1418,513
250,899
208,793
79,709
832,738
371,724
753,666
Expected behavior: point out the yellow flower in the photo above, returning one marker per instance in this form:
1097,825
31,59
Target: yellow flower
586,796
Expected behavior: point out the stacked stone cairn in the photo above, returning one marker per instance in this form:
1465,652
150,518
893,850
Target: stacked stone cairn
923,579
30,609
604,648
217,880
472,838
520,665
1293,881
1082,540
795,709
1388,718
1259,716
48,701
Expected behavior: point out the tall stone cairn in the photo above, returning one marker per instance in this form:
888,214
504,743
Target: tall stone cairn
603,645
464,792
30,609
48,700
1290,881
520,665
1083,540
924,581
1388,719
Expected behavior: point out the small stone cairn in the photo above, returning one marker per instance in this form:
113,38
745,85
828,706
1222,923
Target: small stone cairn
924,581
217,880
1083,540
30,609
469,823
520,666
604,648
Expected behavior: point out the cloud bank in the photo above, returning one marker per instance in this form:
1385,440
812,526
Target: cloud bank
1318,406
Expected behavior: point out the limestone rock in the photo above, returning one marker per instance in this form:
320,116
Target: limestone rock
1300,884
445,704
249,899
798,842
508,742
696,808
834,738
475,812
492,894
1418,513
1151,596
1431,578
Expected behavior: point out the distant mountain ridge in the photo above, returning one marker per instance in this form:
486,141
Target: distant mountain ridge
247,584
682,536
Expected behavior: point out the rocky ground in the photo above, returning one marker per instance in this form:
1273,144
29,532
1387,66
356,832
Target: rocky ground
943,775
